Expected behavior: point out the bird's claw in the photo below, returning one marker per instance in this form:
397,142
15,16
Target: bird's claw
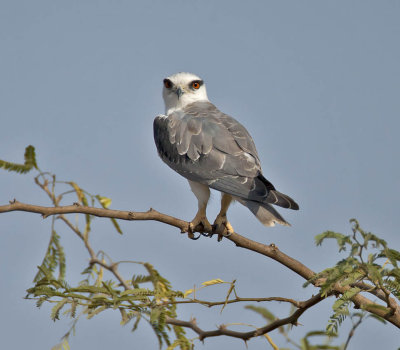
194,238
200,221
222,227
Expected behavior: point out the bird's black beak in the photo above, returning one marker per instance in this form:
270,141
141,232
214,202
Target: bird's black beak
179,92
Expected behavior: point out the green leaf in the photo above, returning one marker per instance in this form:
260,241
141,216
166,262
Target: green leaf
378,318
137,291
74,304
232,286
341,239
55,311
136,324
264,312
315,333
104,201
53,258
212,282
64,345
352,277
157,322
374,274
346,296
184,344
124,317
82,200
138,279
154,315
30,162
376,307
116,225
393,255
341,311
96,311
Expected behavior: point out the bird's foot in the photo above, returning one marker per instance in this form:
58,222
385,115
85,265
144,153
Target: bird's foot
222,227
200,220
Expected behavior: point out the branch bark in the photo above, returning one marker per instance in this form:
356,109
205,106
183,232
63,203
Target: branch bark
222,330
391,315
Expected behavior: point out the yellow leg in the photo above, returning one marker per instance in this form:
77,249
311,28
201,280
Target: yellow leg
201,219
221,222
202,193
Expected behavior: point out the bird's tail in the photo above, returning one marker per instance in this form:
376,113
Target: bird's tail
264,212
275,197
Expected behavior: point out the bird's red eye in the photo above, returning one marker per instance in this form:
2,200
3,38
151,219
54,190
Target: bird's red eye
195,85
167,83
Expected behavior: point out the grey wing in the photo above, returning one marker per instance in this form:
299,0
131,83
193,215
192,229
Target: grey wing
205,145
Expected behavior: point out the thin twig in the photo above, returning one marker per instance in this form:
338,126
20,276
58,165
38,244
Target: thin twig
236,300
353,329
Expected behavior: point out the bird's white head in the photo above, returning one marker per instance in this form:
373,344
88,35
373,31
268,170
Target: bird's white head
182,89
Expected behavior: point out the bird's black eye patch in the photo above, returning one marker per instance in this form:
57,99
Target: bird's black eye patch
168,83
195,84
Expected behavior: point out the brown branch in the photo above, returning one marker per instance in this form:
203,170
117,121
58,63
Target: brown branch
390,314
151,214
112,268
236,300
352,331
222,330
391,302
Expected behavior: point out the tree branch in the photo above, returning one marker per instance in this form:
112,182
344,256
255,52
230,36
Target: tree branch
76,208
222,330
390,314
237,300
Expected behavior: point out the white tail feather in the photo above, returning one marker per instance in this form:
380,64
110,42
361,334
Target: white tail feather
264,212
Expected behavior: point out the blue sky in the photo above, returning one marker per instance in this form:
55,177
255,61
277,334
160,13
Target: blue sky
316,83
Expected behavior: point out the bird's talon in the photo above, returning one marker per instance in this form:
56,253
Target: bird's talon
193,237
228,234
229,229
222,227
200,221
206,234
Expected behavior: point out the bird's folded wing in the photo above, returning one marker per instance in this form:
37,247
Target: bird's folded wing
205,145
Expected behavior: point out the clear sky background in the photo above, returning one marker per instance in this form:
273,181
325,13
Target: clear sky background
317,85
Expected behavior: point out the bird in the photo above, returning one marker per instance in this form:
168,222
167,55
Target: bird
212,150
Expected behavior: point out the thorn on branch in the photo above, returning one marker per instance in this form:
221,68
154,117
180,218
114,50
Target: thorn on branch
150,210
131,215
58,199
77,204
273,247
13,201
